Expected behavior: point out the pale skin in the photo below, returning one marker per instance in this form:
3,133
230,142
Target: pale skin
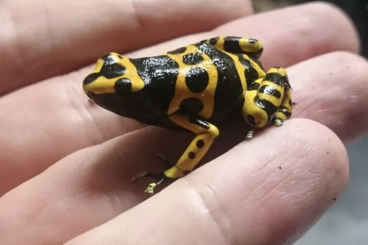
65,165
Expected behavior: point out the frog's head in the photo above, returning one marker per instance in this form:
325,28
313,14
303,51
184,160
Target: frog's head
113,84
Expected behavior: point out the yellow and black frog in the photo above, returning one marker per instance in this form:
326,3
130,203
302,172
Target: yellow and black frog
195,87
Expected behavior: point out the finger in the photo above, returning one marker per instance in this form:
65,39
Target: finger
332,91
244,196
294,39
69,34
80,125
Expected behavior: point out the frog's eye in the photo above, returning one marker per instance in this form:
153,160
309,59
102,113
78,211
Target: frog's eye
123,85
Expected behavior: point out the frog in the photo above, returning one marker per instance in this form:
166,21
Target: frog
194,88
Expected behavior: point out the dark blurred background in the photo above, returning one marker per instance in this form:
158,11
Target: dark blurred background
356,9
346,223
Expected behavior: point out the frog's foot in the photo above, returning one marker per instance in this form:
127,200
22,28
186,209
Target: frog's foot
250,134
278,122
150,188
160,177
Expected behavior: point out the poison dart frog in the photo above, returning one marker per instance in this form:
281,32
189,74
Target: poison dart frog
195,88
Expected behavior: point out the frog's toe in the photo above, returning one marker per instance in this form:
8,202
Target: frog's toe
278,122
150,189
249,135
157,176
138,175
160,177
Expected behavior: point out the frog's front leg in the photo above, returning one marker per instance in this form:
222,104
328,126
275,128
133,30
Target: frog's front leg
205,135
269,102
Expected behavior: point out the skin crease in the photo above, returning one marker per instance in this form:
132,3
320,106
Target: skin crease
242,197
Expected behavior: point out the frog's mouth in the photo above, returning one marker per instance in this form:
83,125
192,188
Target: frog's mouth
115,102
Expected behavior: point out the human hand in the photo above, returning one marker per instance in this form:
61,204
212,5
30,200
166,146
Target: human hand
65,166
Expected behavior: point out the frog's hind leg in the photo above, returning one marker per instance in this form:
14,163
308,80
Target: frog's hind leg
205,135
237,45
269,101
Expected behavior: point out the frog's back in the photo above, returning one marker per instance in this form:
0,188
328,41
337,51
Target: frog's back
210,82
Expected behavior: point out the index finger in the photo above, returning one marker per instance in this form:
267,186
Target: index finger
43,39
